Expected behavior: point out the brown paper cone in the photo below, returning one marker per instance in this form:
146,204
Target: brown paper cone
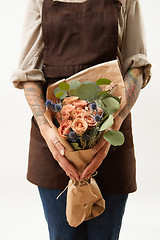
83,202
84,199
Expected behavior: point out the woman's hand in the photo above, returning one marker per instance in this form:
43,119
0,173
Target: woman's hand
101,149
58,150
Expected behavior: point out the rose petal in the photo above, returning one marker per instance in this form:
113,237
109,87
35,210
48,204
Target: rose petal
79,125
65,128
80,103
90,120
69,100
67,108
78,113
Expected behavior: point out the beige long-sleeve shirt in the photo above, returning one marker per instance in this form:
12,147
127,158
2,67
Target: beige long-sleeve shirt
131,49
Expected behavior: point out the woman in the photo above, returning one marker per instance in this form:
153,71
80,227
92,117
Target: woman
61,38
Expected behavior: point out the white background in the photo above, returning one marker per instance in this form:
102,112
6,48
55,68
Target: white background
21,214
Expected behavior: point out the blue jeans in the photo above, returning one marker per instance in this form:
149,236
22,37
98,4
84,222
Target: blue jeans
104,227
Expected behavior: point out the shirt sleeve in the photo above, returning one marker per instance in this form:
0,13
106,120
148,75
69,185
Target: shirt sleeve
134,49
31,54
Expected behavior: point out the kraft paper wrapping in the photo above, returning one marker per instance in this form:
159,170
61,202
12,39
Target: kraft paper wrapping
84,199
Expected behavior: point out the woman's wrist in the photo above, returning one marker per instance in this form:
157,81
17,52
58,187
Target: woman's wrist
43,125
36,100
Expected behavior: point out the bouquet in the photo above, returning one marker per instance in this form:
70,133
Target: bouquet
85,112
84,106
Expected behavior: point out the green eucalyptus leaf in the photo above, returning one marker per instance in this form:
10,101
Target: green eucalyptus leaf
99,103
111,105
93,83
59,94
63,96
64,86
106,95
57,90
88,82
87,91
103,81
100,93
114,137
117,98
73,92
73,87
104,118
74,84
107,124
106,112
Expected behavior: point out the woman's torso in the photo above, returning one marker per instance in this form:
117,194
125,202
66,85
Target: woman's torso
77,36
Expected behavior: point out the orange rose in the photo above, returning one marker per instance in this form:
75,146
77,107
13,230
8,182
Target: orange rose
65,128
67,108
69,100
79,125
64,116
90,120
78,113
80,103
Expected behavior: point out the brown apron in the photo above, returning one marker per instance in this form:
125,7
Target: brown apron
77,36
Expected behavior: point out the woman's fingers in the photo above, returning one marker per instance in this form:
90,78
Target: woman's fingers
50,136
67,166
63,162
58,145
71,176
99,145
57,150
96,162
